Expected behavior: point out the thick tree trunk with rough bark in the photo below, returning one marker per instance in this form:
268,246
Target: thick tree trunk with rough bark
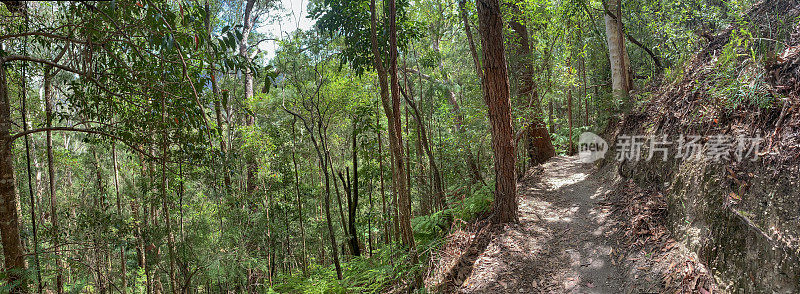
13,252
496,95
404,199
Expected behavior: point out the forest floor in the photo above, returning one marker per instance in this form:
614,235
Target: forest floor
571,238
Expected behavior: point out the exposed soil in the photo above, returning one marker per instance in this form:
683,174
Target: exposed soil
571,238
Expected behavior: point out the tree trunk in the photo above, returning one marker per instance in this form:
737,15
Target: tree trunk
496,95
342,218
123,269
404,199
217,108
251,165
13,252
458,120
31,196
165,205
385,215
331,234
471,163
468,31
48,79
570,147
422,133
304,257
539,146
617,52
550,116
353,205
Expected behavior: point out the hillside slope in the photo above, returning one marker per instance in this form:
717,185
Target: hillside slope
738,210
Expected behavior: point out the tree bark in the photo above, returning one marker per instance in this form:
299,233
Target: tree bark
353,205
251,165
617,52
48,92
123,269
385,215
13,252
496,96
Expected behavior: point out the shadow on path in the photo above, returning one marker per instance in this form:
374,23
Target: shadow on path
563,243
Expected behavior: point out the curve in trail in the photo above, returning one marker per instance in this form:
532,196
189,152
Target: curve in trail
563,244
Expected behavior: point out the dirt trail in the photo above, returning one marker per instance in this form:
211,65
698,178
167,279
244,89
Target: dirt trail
565,241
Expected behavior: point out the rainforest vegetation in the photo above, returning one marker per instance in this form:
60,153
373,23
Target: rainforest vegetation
200,146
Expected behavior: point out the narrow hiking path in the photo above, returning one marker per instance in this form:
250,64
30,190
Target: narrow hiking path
565,241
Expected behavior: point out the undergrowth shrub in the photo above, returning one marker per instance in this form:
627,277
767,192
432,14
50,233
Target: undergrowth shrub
390,264
738,79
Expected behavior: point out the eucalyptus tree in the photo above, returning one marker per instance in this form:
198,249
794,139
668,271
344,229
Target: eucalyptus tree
497,97
621,77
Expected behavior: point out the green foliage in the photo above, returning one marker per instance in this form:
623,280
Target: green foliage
375,274
350,20
739,75
561,138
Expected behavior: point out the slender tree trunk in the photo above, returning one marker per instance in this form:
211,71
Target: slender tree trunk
331,234
353,205
570,146
122,263
217,108
496,95
99,204
459,117
48,79
468,31
404,200
323,156
583,79
385,216
31,196
165,205
539,146
342,218
393,125
617,52
422,131
303,259
550,116
251,165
